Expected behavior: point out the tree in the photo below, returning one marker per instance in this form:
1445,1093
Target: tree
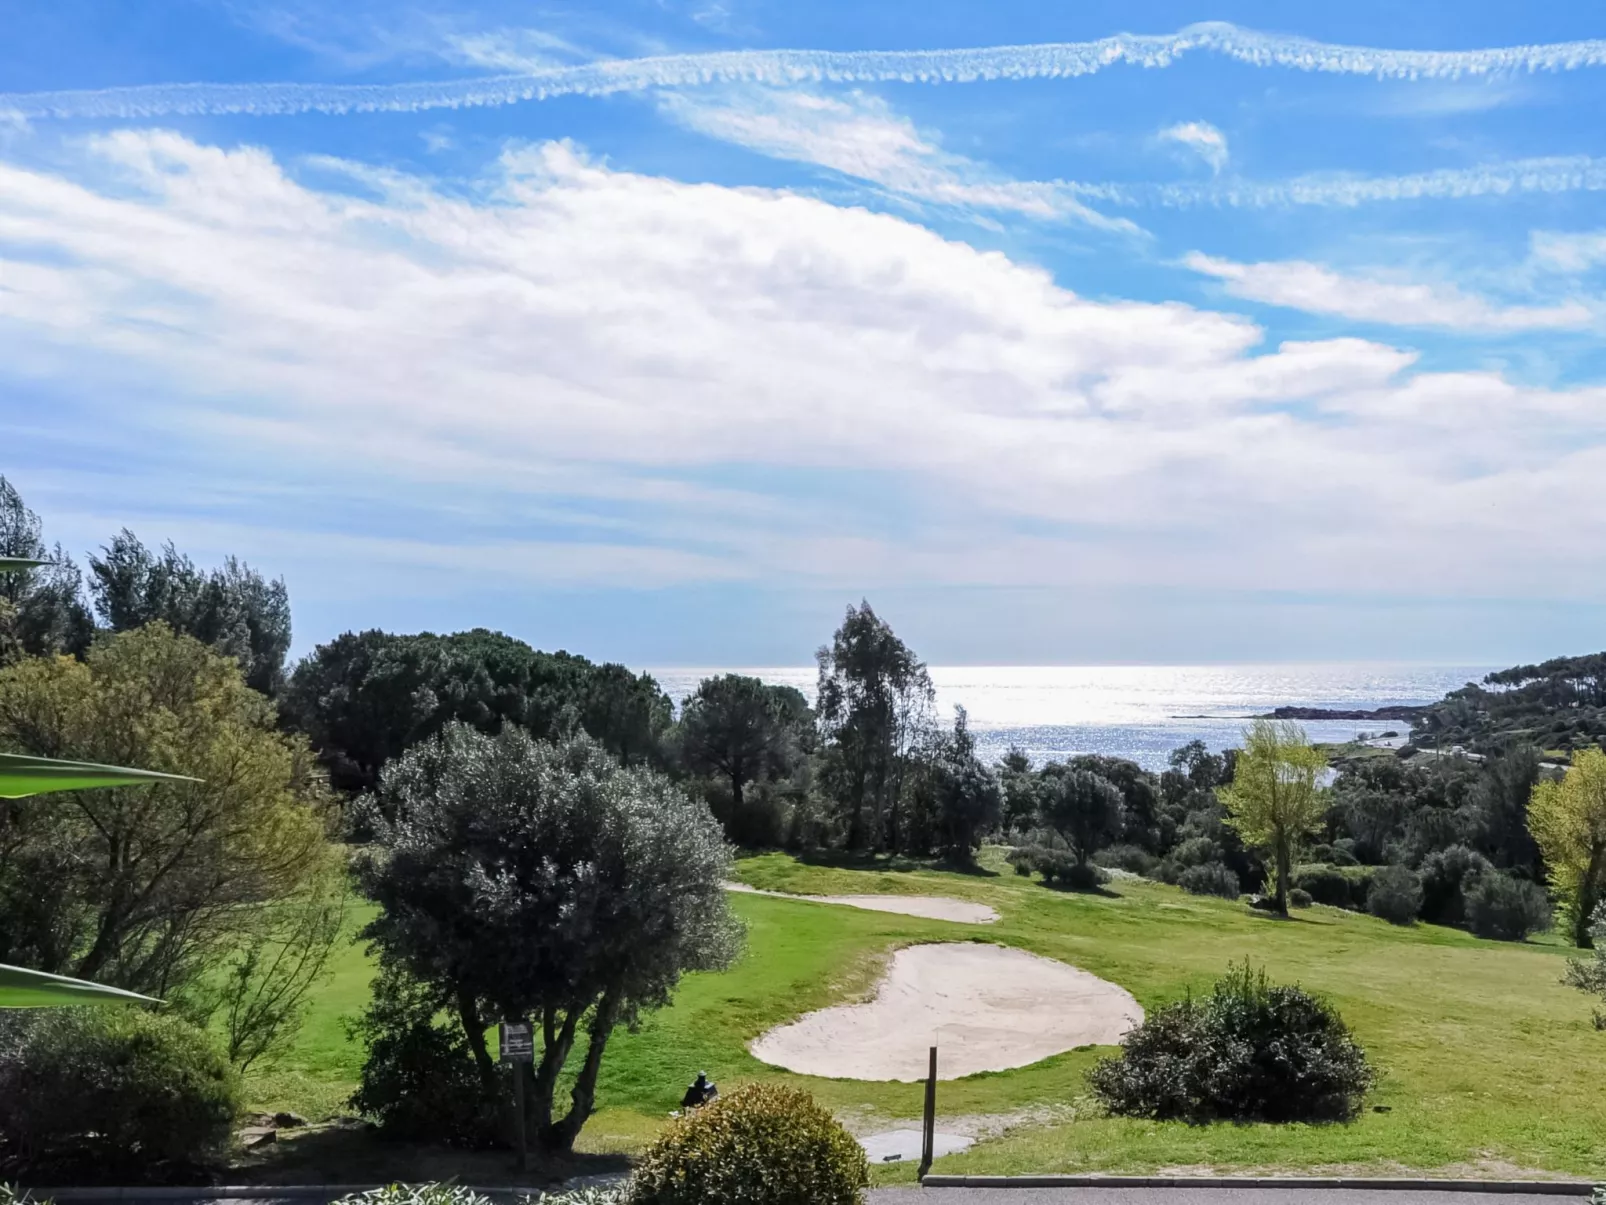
874,707
522,878
968,798
742,730
232,608
151,885
1140,797
1590,976
1276,800
1568,822
1084,808
1019,783
42,609
1501,800
363,698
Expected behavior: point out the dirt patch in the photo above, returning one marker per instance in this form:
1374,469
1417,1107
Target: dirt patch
985,1007
931,907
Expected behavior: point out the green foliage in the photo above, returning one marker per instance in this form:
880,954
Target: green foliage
1249,1051
1337,887
1081,807
1448,876
234,608
1210,878
1557,704
1568,822
1300,899
151,885
1048,856
966,796
1395,895
417,1194
763,1144
1590,975
1507,908
740,730
10,1194
42,612
1275,800
523,878
364,698
111,1093
874,706
419,1082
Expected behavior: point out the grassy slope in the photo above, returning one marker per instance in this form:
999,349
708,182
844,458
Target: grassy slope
1489,1061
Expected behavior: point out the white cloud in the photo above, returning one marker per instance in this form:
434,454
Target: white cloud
575,327
1320,290
787,68
1573,252
1202,138
859,135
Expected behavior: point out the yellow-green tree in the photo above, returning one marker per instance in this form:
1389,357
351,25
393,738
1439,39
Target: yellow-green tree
1276,798
155,887
1568,823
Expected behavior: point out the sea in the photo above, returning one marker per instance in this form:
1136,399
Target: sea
1142,712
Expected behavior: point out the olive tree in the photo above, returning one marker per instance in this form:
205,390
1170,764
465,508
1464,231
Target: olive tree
521,878
1084,808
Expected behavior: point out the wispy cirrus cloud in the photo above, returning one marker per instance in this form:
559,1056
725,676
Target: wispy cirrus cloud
1569,252
859,135
1054,60
1317,289
1202,139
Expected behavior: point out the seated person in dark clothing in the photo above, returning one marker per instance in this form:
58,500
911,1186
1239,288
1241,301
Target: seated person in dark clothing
700,1093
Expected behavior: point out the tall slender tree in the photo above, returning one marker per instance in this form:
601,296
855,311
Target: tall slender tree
1276,799
875,707
1568,821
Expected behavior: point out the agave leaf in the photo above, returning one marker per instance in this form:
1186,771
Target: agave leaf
21,775
22,988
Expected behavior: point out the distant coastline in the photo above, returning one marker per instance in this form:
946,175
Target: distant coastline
1406,713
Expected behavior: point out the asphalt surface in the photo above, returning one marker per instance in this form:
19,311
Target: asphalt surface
1202,1196
1121,1196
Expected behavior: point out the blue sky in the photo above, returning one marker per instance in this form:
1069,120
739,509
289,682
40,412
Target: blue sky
662,329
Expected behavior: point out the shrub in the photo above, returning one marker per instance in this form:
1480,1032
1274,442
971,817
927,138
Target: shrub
10,1194
1300,898
1396,895
112,1093
416,1194
1056,866
418,1080
1196,851
1133,858
1210,879
1507,908
764,1144
1249,1051
1324,884
1447,876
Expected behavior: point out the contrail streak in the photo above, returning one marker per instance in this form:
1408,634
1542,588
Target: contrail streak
1054,60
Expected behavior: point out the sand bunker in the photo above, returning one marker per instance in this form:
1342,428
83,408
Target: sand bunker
932,907
986,1007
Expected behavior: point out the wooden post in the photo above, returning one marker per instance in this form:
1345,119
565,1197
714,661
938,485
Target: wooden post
928,1129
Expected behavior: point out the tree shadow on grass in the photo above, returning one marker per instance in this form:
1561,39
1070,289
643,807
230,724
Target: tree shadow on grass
840,859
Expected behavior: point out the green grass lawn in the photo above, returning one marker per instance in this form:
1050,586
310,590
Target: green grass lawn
1489,1064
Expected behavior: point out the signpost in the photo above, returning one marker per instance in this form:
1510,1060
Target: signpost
928,1127
518,1048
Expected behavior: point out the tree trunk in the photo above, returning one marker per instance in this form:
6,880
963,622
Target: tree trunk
555,1047
737,783
1588,897
1283,870
560,1137
468,1016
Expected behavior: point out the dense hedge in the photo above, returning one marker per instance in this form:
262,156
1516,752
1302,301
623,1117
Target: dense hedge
111,1094
1249,1051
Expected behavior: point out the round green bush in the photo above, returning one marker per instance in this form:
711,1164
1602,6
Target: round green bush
112,1093
1300,898
1323,883
1448,875
1507,908
1395,895
1247,1052
1211,878
763,1144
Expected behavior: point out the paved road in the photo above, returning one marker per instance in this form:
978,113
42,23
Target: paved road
1201,1196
